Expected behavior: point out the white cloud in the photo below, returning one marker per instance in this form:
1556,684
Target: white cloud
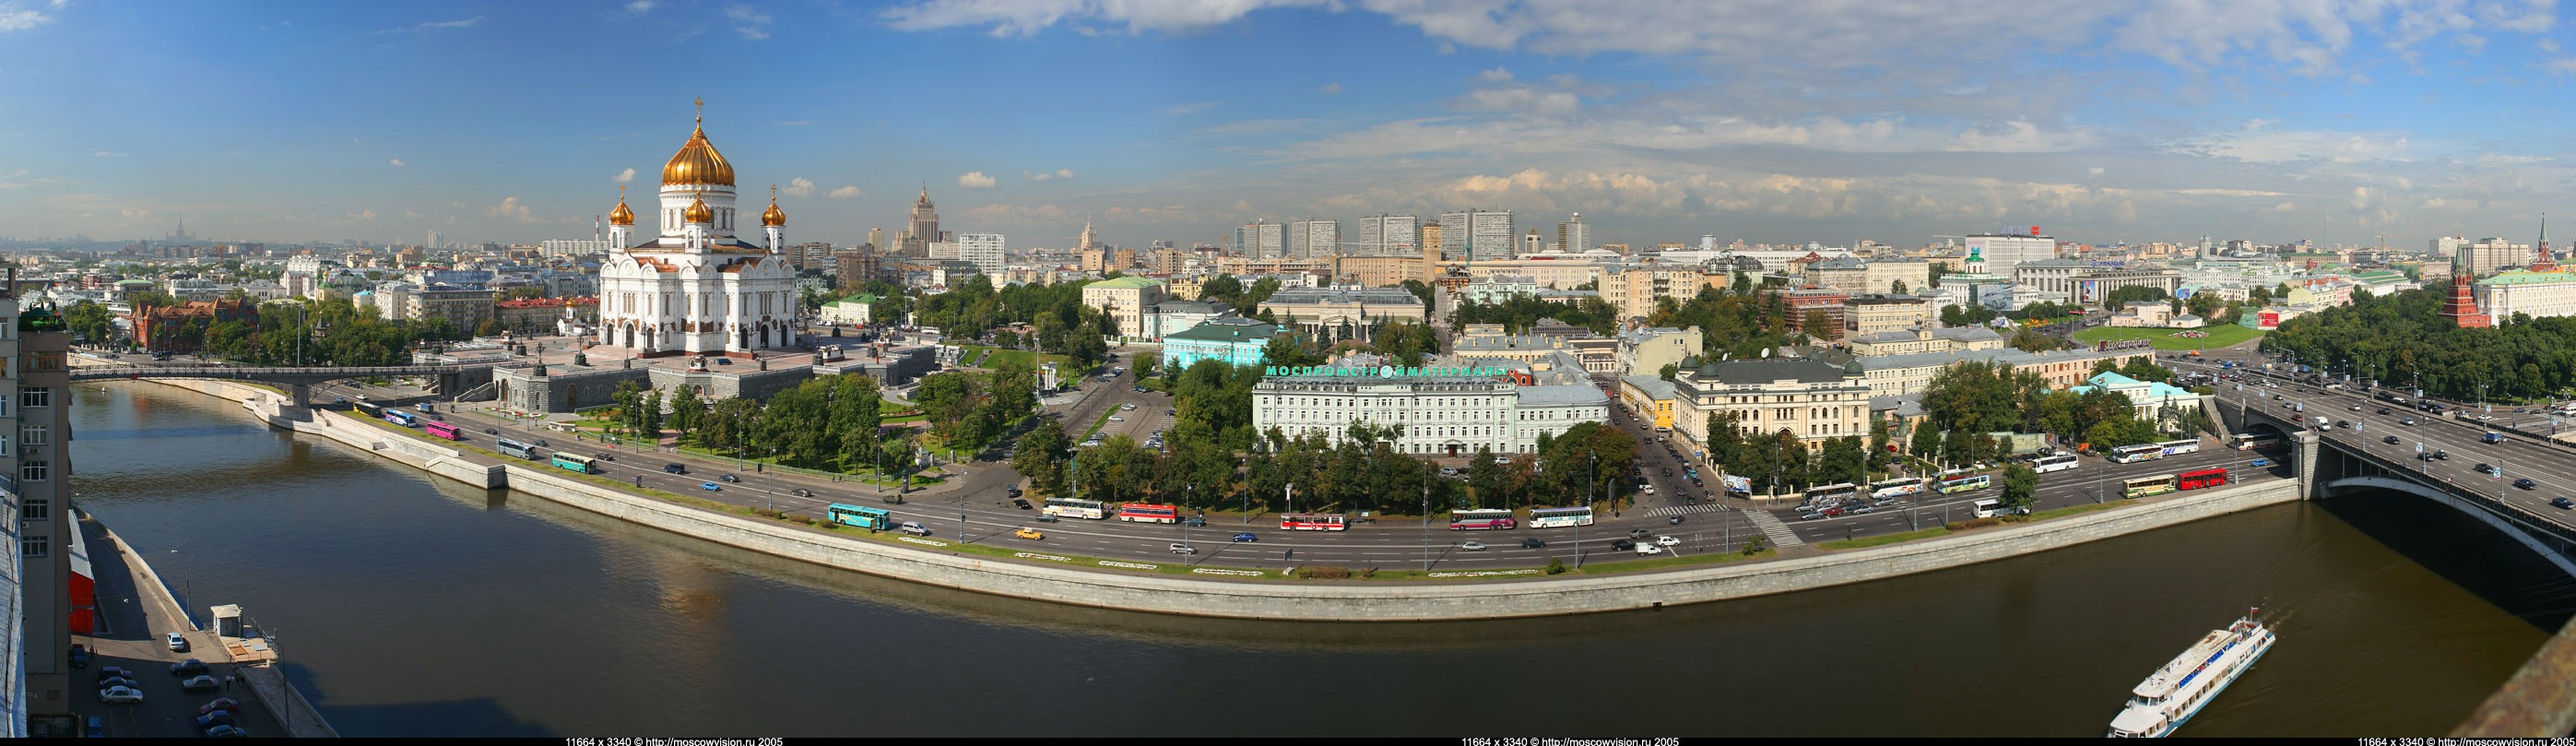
2254,144
106,154
1330,88
397,163
14,18
511,209
2493,158
2286,207
2094,171
640,7
425,27
625,176
748,21
1061,173
799,187
2229,192
974,180
2435,203
845,192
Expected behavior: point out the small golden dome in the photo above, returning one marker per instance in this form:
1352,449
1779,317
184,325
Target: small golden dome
697,212
621,215
773,216
697,163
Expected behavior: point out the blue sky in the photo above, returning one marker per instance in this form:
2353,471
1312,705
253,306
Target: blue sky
1767,120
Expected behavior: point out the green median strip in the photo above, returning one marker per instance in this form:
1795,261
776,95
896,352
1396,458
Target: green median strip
1099,423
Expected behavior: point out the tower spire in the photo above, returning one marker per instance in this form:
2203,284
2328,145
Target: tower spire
2541,260
702,111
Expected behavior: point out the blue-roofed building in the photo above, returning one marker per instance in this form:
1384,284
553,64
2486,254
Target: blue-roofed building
2148,397
1233,340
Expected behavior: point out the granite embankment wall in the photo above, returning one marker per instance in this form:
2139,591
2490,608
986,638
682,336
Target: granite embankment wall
1269,599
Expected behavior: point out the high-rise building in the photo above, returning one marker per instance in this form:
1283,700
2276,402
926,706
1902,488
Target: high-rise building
876,237
1573,236
1125,259
1532,243
984,249
855,267
35,393
1433,247
2491,255
920,229
2447,246
1261,239
1389,235
1087,240
1314,239
943,249
1476,234
2003,251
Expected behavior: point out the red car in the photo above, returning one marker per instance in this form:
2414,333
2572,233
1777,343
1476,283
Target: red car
1831,512
225,704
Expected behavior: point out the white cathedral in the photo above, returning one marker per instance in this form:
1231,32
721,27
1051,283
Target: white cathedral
696,289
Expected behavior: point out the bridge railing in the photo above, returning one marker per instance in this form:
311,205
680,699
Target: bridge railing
2491,503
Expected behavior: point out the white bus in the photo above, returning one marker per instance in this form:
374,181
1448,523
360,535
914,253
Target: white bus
1990,507
2137,453
1066,507
1560,517
1898,487
1836,491
2251,442
2047,464
1968,483
2179,447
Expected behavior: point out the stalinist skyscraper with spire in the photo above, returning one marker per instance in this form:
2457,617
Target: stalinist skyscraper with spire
921,229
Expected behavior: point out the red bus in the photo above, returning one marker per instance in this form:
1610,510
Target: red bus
1143,513
2193,480
1314,522
438,429
1481,520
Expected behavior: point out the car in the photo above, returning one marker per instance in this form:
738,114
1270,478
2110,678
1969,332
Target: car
2491,438
491,431
2260,463
120,695
1139,389
1021,503
361,397
226,704
604,456
2483,468
2563,504
1668,471
1116,418
1181,548
2422,456
1673,521
117,681
1126,407
177,642
1667,541
1810,515
2383,410
2323,427
2391,440
1622,544
2356,407
675,468
710,486
114,672
1639,533
801,492
541,443
189,667
1649,549
1194,521
97,727
2526,484
1858,509
227,731
1532,543
1014,491
212,719
730,479
1472,546
1246,536
914,528
2406,421
1028,533
2441,454
201,684
80,656
2343,423
1046,518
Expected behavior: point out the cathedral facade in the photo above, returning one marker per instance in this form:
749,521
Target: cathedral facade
695,288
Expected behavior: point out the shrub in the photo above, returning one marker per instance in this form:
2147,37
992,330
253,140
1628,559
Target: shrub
1752,546
1972,523
805,519
1555,566
1325,573
1368,573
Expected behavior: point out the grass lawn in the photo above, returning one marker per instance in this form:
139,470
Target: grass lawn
1097,424
2220,335
1886,539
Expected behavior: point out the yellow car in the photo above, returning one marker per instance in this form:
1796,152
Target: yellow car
1028,533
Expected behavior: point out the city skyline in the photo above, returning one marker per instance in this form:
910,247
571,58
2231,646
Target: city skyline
1179,121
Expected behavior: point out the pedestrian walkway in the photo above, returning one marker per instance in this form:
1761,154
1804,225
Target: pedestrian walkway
1685,509
1772,528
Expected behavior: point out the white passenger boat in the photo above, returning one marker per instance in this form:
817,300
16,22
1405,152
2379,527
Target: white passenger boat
2170,696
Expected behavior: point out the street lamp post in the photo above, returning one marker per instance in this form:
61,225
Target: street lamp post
1426,517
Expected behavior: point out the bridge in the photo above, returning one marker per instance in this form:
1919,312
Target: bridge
2479,479
298,382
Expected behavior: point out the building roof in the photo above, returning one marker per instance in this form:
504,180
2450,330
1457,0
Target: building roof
2527,277
2057,263
1228,329
1127,282
1543,396
1654,387
1371,296
1757,372
1840,262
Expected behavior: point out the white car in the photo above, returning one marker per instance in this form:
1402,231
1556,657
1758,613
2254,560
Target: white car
1473,546
915,529
120,695
1646,487
1667,541
1116,418
1649,549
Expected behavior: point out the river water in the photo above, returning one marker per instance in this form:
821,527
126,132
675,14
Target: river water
410,606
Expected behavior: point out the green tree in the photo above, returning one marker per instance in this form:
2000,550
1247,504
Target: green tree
2020,488
1042,457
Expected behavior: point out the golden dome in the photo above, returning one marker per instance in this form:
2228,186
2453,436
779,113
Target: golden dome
773,216
697,212
697,163
621,215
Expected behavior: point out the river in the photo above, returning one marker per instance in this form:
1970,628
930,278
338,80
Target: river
409,606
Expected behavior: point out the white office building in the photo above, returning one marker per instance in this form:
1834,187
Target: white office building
1476,234
1390,235
2003,252
1444,412
985,250
1261,239
1573,236
1309,239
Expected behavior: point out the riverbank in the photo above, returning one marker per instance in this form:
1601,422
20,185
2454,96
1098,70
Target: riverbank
1253,598
267,684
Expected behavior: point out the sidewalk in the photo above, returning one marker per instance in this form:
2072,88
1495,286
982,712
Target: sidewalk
956,473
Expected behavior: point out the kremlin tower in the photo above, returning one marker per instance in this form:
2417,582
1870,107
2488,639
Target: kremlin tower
2462,308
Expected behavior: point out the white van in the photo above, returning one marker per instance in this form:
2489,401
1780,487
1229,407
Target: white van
915,529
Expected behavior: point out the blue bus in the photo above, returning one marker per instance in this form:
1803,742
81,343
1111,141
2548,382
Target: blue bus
852,515
516,448
399,417
577,464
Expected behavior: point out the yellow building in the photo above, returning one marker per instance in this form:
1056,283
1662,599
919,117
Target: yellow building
1648,396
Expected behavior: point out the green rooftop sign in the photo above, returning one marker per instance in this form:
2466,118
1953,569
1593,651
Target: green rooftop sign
1381,372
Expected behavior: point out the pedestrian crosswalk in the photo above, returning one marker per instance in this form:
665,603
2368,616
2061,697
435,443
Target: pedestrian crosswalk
1779,533
1684,509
